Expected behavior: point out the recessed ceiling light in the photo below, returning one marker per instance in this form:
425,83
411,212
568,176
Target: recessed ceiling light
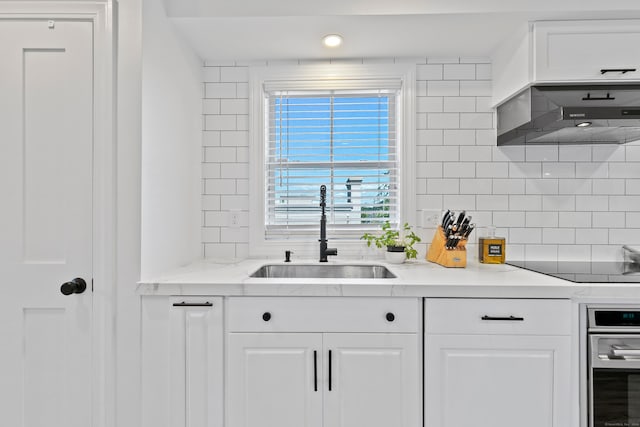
332,40
583,124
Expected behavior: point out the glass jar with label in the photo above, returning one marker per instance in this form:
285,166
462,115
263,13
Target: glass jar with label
491,249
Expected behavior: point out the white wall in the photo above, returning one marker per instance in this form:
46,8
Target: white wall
569,202
171,144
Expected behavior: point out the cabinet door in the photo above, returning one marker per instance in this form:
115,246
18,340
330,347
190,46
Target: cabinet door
271,380
195,365
374,379
581,50
497,381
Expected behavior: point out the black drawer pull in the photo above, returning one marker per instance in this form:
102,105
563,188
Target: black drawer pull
617,70
266,316
315,370
598,98
509,318
193,304
390,317
330,370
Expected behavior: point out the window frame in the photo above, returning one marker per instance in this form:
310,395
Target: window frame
301,75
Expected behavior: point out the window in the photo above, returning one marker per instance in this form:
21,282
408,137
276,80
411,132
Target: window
346,133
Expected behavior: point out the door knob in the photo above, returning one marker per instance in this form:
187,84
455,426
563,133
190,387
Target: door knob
76,286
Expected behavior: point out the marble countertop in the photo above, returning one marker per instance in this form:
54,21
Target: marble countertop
413,279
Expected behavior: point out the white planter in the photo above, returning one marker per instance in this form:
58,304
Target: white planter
395,257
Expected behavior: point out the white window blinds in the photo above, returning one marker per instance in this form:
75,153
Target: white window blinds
344,139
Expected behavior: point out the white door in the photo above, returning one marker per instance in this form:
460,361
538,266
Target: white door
46,122
274,380
497,381
375,380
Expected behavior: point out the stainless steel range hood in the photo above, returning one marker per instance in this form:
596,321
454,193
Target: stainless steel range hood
576,114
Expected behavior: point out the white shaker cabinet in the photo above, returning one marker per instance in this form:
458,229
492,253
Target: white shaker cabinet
311,362
497,363
182,361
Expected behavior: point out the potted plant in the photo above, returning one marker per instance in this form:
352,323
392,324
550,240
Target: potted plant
399,243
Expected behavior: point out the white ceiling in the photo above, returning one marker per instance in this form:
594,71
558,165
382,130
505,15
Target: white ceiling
292,29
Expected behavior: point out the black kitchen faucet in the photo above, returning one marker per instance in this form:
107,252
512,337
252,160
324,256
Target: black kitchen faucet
324,251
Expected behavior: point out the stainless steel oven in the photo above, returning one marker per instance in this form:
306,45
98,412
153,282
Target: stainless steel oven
614,367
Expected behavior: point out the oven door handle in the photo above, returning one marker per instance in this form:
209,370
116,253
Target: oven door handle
622,351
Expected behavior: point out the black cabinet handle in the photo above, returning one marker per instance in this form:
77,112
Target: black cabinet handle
193,304
390,317
266,316
509,318
598,98
329,370
315,370
617,70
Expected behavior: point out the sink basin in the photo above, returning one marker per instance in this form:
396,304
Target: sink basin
326,271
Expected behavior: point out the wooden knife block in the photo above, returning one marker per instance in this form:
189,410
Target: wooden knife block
438,253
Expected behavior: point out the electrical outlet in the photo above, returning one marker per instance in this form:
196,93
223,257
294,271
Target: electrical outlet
234,219
430,218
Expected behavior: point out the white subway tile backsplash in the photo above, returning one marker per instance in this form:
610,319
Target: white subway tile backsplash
541,219
492,170
624,203
443,88
443,120
525,203
558,170
459,170
573,219
592,236
625,170
592,203
528,235
459,137
492,202
220,90
541,153
459,104
429,104
608,186
475,60
211,74
476,120
459,71
483,72
509,219
541,186
220,122
551,201
429,72
608,153
558,203
558,236
476,186
475,88
486,137
574,153
443,186
475,153
459,202
436,153
608,219
234,74
525,170
575,186
592,170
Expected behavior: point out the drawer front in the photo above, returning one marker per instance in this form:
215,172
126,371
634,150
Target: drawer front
323,314
497,316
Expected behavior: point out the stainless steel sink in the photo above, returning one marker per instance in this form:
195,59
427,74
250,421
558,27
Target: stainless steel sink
323,271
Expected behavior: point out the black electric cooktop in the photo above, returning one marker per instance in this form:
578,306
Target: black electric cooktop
585,272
